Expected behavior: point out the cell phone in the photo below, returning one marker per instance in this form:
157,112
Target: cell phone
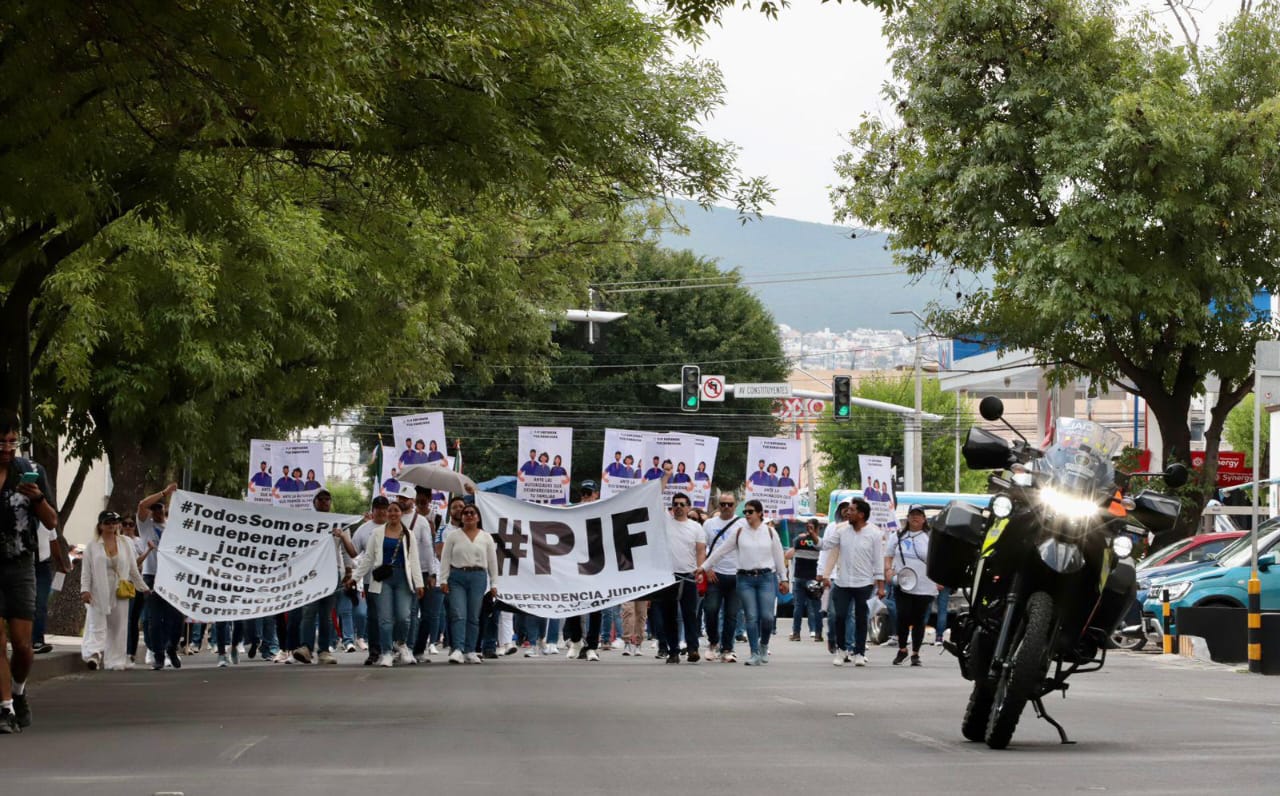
31,477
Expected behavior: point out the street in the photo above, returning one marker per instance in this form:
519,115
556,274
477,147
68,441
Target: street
1145,724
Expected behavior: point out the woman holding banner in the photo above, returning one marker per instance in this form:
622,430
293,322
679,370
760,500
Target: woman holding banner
391,557
760,560
109,579
468,565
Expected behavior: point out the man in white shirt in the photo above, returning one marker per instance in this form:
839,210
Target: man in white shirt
360,539
857,555
720,604
687,549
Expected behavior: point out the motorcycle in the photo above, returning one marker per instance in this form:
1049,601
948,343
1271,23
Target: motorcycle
1046,567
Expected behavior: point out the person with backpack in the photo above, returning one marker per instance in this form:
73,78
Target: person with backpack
760,560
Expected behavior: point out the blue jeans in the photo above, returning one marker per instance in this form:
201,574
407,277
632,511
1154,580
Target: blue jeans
321,610
944,597
842,597
44,584
225,633
466,594
346,618
360,615
803,605
758,594
610,623
720,606
394,603
891,603
262,631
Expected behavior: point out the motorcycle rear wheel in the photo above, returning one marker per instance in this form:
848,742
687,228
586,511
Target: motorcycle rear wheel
1024,674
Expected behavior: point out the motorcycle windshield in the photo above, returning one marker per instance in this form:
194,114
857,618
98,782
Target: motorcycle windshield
1080,458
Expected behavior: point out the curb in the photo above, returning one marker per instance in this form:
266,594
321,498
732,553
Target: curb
58,663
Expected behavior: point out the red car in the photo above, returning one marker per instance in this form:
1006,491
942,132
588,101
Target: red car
1191,549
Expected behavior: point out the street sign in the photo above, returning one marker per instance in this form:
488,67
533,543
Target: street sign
762,390
713,388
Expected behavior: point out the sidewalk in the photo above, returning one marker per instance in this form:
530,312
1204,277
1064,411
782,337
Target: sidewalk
64,660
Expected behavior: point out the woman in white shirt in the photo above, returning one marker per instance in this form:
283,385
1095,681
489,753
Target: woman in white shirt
109,560
914,592
468,566
759,562
391,556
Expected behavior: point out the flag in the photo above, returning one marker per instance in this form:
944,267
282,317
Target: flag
1048,424
457,455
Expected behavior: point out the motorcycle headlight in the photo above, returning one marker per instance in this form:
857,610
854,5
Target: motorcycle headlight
1066,505
1122,546
1001,506
1176,590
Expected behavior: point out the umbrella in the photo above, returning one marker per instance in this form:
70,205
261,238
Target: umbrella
435,477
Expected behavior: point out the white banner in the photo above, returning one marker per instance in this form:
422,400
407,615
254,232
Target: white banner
221,560
546,459
877,489
261,473
623,452
561,562
419,440
704,472
299,469
772,467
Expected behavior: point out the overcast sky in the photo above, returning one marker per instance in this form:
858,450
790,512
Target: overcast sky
796,86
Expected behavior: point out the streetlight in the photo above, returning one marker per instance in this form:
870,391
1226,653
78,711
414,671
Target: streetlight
913,455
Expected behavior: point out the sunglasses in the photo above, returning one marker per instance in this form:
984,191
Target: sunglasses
471,513
130,524
748,511
727,505
679,505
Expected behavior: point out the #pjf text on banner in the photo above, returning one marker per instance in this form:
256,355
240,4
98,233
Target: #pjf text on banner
221,560
560,562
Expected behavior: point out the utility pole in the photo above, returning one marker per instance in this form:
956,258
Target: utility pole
913,456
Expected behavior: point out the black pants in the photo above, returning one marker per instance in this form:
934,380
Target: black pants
371,624
166,624
913,612
681,597
573,629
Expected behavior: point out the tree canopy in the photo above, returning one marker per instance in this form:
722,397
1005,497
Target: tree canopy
1114,184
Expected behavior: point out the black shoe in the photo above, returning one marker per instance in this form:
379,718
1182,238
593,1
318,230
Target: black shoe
662,652
22,710
693,656
173,658
740,637
915,660
673,658
9,723
582,654
900,657
371,660
253,649
44,649
159,664
490,654
818,638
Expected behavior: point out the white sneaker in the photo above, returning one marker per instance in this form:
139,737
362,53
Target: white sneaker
432,649
683,646
474,657
551,649
422,659
533,652
405,654
223,661
592,655
575,647
729,657
386,661
455,656
619,644
151,657
626,650
350,647
510,649
859,660
838,660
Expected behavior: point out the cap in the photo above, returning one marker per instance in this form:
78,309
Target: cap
914,507
589,486
379,502
322,493
422,490
108,516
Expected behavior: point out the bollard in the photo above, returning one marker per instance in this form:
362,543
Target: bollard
1164,622
1255,623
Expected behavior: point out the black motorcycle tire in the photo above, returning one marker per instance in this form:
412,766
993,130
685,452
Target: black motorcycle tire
1025,673
977,669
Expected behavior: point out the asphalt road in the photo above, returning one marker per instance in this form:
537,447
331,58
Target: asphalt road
1145,724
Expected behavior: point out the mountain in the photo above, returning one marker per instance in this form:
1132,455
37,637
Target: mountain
787,263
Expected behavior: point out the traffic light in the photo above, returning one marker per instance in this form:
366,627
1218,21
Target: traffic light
841,389
690,388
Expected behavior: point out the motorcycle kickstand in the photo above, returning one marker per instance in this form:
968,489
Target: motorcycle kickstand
1041,713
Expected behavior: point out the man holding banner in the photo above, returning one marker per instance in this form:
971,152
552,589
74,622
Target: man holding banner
687,549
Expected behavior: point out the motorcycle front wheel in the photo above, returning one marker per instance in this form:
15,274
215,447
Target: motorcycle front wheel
1025,672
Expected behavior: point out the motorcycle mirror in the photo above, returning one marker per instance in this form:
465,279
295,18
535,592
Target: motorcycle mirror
1176,475
991,408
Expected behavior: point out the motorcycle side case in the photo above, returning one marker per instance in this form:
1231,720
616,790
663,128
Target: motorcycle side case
954,543
1156,511
1116,598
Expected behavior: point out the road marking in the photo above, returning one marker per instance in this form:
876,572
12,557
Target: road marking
787,700
925,740
234,752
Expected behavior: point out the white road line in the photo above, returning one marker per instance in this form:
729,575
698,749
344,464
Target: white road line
233,753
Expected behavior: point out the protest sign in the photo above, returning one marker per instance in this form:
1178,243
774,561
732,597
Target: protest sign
771,465
704,471
623,452
547,459
679,451
389,484
261,473
877,489
560,562
299,471
221,560
419,439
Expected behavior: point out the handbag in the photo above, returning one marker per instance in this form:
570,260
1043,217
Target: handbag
125,590
384,571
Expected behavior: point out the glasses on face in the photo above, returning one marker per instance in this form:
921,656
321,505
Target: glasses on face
748,511
12,443
726,505
471,513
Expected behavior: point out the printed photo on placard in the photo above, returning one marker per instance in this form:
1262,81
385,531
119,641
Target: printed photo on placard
389,484
704,470
772,466
261,472
619,471
679,451
299,471
542,475
877,489
419,439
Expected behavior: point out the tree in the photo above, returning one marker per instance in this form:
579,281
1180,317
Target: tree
692,16
877,433
426,158
1239,433
614,384
1114,187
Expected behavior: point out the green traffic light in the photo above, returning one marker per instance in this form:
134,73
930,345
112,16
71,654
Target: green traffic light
842,411
692,401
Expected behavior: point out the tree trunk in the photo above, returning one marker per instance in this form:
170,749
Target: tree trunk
137,470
